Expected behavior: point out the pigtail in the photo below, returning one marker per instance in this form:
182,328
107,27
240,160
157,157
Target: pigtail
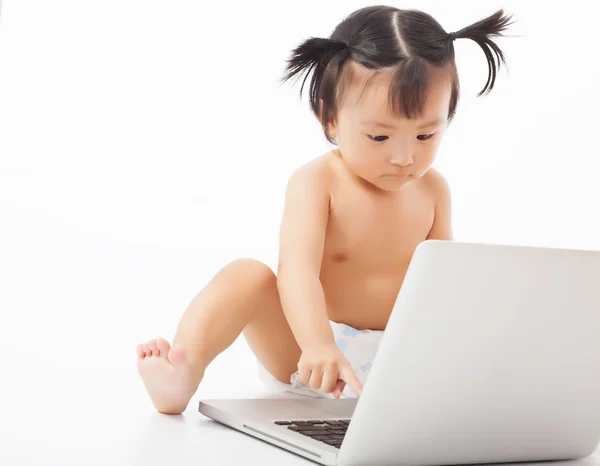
480,32
313,55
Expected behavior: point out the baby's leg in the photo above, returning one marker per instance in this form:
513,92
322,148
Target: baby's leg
242,296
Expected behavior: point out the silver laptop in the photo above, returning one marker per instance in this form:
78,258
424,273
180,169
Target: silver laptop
491,354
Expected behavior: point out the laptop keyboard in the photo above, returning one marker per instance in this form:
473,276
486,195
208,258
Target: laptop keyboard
329,432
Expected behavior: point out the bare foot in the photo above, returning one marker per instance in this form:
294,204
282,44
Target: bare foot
166,373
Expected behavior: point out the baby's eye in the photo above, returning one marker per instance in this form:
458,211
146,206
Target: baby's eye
424,137
377,138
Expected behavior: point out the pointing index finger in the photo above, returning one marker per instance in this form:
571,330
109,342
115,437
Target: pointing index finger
351,379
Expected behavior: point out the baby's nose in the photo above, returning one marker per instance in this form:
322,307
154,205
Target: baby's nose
403,159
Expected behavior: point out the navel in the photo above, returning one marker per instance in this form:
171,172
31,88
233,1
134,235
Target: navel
340,257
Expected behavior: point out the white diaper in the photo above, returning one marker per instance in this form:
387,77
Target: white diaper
359,347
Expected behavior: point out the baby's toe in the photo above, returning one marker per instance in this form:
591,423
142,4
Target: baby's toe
147,349
140,351
163,347
153,348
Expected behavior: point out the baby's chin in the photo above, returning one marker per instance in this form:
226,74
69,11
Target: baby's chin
393,182
386,182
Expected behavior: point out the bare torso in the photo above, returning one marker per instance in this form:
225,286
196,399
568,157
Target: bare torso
370,240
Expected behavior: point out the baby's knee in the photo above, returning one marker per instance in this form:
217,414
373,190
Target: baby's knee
253,274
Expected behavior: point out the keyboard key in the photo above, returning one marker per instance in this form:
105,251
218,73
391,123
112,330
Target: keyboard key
335,443
333,423
311,433
283,423
337,431
309,428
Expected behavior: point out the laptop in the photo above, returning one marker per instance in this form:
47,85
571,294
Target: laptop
491,354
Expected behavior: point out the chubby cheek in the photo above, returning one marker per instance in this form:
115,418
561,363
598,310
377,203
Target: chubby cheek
425,163
425,160
368,164
359,156
358,163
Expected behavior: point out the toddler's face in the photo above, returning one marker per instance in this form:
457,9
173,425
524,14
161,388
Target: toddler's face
389,156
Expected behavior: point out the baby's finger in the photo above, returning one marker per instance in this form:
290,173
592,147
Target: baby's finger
348,376
304,374
339,388
330,377
316,378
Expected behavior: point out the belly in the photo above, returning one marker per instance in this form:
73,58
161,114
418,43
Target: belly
360,298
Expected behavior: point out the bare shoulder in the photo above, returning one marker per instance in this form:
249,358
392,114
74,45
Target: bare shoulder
439,190
313,176
436,186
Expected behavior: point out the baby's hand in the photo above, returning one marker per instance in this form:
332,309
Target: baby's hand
325,368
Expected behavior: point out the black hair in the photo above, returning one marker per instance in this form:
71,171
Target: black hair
409,43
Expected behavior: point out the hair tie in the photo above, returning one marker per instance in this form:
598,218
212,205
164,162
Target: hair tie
452,35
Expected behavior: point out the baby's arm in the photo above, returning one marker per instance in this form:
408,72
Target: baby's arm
301,245
440,192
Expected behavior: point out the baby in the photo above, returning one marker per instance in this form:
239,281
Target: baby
384,88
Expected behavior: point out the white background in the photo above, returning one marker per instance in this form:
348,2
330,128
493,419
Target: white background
145,144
